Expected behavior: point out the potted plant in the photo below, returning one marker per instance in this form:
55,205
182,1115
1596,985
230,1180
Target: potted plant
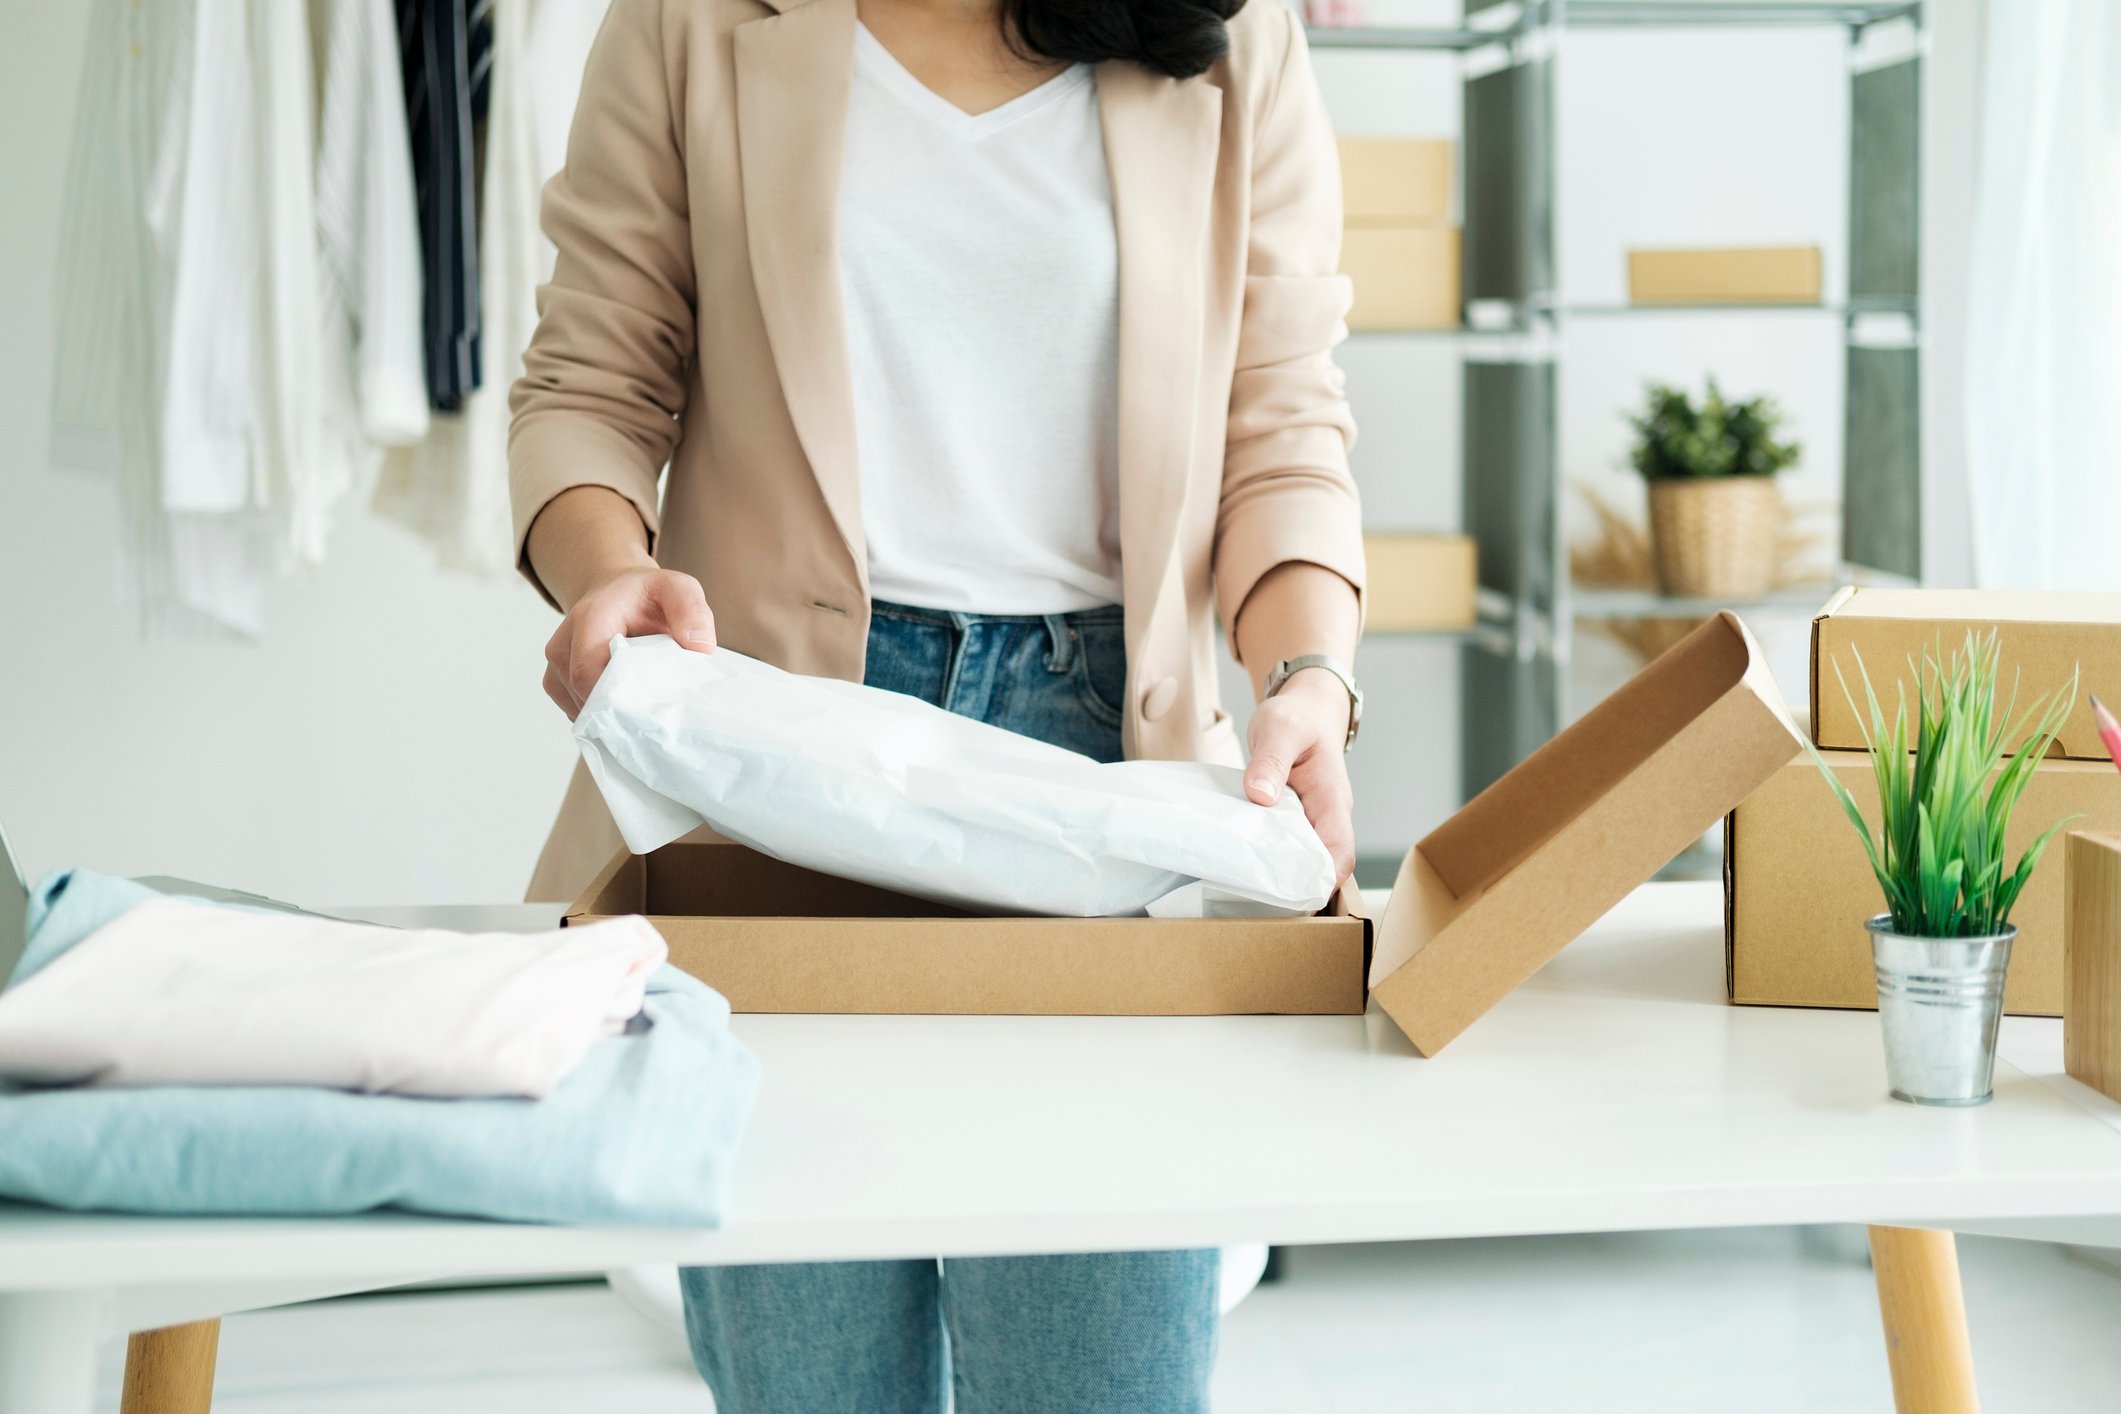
1715,519
1945,798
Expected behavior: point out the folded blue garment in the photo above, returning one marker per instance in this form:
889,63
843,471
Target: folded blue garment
644,1131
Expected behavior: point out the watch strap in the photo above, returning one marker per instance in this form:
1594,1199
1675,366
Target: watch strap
1289,667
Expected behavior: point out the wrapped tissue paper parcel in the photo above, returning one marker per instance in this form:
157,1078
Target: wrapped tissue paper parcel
886,789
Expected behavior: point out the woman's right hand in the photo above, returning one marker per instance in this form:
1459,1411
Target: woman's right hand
631,603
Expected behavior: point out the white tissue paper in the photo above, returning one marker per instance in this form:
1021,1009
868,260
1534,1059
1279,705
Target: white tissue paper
884,788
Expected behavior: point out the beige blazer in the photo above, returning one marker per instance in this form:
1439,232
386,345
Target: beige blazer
694,320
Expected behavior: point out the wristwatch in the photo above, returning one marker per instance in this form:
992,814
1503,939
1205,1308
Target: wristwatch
1289,667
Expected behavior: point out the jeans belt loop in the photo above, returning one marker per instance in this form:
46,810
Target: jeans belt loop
1060,635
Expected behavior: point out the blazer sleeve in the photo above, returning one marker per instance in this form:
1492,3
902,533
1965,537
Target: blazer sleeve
605,375
1287,494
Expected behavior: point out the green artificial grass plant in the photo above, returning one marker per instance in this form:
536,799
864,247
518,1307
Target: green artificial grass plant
1946,805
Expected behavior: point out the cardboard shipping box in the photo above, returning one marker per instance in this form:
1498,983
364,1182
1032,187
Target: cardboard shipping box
1395,181
1480,904
773,937
1736,275
2042,638
2091,947
1420,582
1797,886
1405,277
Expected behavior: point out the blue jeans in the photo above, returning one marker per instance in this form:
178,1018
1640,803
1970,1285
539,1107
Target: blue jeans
1090,1334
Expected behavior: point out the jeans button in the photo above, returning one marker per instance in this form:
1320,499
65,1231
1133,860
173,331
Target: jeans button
1158,699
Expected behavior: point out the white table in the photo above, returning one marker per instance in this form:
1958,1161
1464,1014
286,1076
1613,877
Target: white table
1615,1091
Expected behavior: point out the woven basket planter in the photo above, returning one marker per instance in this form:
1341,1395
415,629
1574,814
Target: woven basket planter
1715,537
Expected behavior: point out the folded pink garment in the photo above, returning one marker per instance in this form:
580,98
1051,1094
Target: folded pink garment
179,993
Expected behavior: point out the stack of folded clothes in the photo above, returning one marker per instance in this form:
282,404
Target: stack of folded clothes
172,1056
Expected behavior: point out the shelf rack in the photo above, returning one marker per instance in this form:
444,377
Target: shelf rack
1514,677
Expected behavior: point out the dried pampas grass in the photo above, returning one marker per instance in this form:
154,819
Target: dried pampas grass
1619,556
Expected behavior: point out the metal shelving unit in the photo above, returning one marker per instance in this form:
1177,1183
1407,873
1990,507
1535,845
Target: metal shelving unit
1514,677
1649,604
1398,38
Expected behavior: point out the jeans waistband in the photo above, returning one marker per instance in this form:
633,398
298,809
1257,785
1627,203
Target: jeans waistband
1060,628
952,618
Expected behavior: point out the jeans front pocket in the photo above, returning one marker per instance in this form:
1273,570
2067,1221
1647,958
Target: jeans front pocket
1101,669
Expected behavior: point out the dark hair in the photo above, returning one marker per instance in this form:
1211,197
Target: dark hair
1180,38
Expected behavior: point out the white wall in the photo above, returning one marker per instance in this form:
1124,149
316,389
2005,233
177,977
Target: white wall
387,741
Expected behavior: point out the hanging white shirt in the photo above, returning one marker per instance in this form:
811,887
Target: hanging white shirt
980,273
157,379
368,255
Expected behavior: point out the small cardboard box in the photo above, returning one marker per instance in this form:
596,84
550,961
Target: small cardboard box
1797,887
1420,582
2091,958
2042,638
1735,275
1480,904
1395,181
1406,277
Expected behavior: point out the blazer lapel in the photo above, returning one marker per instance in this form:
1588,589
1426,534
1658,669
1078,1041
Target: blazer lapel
794,70
1162,137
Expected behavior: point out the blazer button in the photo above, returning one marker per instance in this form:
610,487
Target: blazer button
1158,699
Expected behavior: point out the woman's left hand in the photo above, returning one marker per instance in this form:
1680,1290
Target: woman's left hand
1298,739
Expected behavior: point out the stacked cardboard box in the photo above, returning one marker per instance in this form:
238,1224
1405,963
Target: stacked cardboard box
1399,246
1420,582
2091,1005
1797,885
1726,275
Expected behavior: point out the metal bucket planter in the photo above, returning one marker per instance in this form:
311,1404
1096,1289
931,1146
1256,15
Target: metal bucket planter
1939,1002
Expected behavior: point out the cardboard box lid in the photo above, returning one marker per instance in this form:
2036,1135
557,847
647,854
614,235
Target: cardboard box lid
2044,635
1502,886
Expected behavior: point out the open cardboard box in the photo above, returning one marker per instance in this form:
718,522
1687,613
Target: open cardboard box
1480,904
772,936
2041,637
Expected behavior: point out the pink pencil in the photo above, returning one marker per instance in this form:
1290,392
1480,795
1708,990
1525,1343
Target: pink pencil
2109,729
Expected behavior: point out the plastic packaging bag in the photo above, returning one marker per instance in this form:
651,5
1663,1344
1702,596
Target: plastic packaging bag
884,788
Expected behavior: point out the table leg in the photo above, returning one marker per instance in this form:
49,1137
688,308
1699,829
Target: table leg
48,1350
171,1370
1925,1321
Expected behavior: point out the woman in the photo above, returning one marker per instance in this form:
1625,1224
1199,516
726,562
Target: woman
987,344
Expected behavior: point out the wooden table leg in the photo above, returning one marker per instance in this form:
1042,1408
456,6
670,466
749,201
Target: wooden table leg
1925,1321
171,1370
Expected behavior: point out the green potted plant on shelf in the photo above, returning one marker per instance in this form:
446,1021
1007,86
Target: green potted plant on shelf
1715,517
1946,794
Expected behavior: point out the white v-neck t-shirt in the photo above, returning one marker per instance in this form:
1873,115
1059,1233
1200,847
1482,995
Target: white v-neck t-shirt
980,275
